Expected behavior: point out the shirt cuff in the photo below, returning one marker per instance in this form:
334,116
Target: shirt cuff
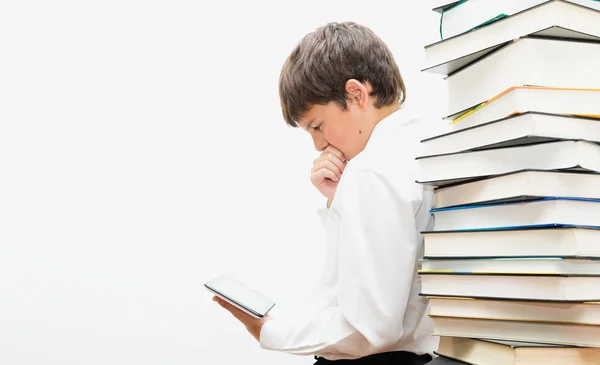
271,335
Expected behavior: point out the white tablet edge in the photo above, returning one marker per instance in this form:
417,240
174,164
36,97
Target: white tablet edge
239,306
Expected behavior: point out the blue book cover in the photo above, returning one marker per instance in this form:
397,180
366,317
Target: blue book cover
514,202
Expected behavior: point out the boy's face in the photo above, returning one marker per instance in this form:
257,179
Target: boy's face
347,130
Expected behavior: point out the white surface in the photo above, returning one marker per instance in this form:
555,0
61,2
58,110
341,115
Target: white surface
142,153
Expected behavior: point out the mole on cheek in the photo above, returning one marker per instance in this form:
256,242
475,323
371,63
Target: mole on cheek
359,131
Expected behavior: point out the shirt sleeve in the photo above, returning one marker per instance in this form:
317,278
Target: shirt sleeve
322,214
377,249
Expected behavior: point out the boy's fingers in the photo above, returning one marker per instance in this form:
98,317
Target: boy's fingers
318,176
335,152
326,164
237,313
330,157
334,159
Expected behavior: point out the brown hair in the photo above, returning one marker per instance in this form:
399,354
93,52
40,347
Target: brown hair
317,69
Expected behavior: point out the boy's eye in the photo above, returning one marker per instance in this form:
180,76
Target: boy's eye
317,127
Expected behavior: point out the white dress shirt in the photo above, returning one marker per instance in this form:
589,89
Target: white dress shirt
367,300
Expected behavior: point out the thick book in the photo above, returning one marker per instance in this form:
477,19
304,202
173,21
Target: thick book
544,332
549,62
523,185
498,352
442,170
553,32
516,310
567,241
471,14
513,286
515,130
557,19
544,212
526,265
522,99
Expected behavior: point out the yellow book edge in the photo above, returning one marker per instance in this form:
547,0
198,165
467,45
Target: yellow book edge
434,297
524,320
486,102
518,339
541,345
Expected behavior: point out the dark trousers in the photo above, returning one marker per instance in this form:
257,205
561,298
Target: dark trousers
386,358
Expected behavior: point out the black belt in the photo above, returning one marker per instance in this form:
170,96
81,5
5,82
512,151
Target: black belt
394,357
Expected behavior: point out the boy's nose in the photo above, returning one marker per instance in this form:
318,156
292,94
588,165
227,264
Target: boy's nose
320,143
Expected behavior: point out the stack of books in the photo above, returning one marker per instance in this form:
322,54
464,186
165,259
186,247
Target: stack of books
512,267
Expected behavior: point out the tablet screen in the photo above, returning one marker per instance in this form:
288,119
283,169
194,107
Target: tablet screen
241,294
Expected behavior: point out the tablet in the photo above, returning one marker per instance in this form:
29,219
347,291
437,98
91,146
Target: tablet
240,295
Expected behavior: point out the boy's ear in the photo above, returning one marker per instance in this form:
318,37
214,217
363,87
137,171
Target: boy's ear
357,93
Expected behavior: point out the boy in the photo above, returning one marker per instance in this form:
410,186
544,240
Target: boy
342,85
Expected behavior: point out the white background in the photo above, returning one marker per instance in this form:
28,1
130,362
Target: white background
143,152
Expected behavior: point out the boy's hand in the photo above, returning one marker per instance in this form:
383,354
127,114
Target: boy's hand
327,171
253,325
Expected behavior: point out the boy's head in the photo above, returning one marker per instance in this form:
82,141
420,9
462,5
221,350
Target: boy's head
338,83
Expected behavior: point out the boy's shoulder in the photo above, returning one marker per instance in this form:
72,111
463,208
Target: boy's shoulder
394,144
390,157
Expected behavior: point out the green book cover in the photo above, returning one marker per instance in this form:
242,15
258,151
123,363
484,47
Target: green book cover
496,18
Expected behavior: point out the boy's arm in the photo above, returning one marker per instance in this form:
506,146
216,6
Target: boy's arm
377,249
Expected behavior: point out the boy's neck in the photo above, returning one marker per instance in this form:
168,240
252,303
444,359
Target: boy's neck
385,112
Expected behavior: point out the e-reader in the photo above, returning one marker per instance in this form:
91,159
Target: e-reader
240,295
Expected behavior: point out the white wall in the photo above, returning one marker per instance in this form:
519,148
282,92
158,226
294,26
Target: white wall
142,153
